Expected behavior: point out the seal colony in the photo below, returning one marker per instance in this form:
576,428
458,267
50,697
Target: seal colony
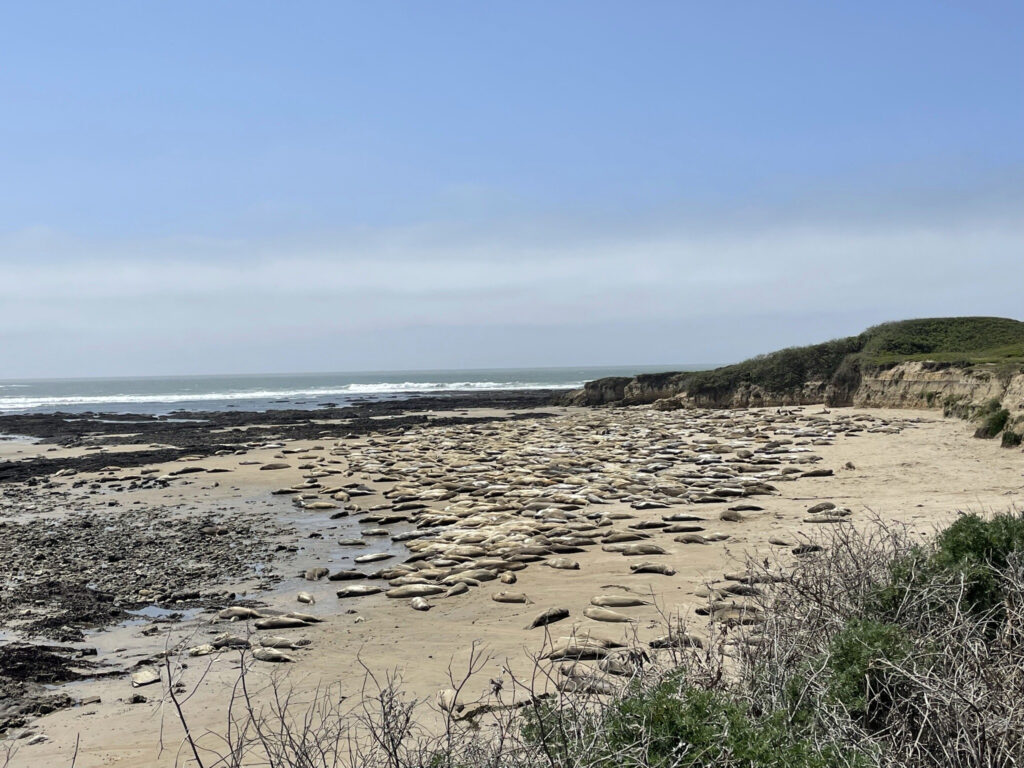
575,531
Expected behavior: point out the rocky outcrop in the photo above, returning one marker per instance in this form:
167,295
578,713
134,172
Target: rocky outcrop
654,388
636,390
648,387
598,392
755,396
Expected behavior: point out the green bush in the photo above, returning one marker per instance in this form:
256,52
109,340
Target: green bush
965,565
860,678
993,424
686,727
783,371
973,540
949,339
990,406
1011,439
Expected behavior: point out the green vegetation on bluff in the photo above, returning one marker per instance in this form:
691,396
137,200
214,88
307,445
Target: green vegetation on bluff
946,339
951,340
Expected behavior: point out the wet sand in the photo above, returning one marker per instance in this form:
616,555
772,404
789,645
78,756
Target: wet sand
909,466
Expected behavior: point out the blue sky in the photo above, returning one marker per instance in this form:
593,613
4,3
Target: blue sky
250,187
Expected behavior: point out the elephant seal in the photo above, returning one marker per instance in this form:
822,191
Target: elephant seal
580,674
227,640
742,589
271,654
458,589
563,563
737,615
642,548
280,622
202,650
690,538
623,663
683,528
416,590
236,612
550,616
578,651
817,473
677,640
604,614
374,557
275,465
306,617
282,642
419,604
661,568
645,525
305,597
617,601
681,517
358,590
731,516
510,597
619,537
346,576
315,574
402,581
586,636
592,685
472,575
508,578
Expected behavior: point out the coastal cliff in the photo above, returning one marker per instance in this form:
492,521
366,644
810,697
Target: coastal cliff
931,385
968,367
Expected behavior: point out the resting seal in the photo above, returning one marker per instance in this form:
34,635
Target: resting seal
550,616
604,614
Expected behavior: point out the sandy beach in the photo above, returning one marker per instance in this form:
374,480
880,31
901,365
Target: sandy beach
476,503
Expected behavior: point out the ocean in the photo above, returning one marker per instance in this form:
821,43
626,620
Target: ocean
258,392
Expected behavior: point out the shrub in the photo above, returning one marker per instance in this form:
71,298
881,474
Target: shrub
1011,439
990,406
916,647
682,726
972,538
964,572
993,424
860,659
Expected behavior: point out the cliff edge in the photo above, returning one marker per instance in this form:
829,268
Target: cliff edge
971,367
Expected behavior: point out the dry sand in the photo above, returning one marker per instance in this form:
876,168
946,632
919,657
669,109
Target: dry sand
922,476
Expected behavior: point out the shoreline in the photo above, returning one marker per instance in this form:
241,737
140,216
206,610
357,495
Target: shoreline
161,438
938,468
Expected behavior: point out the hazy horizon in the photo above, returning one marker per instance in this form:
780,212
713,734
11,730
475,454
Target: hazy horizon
198,189
284,374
